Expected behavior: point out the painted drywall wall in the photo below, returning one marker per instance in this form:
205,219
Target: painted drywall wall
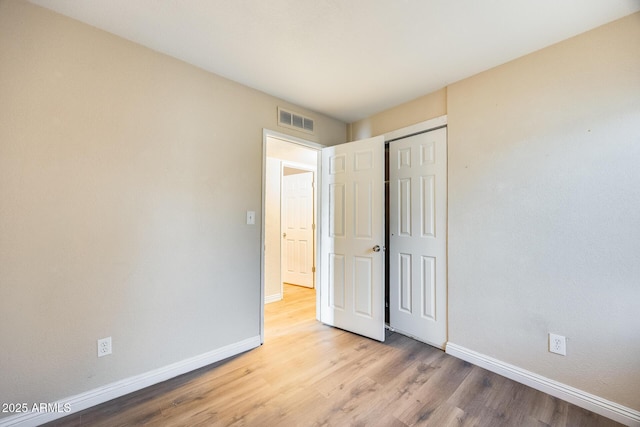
278,151
125,176
272,274
544,211
418,110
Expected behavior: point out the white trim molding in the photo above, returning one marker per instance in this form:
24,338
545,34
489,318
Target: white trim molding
425,126
120,388
580,398
272,298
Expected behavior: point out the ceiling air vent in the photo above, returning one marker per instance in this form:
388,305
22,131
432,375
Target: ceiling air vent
293,120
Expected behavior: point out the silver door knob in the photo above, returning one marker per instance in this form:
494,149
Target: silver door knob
376,248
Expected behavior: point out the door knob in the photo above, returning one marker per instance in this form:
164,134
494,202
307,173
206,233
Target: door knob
376,248
284,235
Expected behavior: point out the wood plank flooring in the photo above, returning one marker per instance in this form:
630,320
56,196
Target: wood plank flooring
308,374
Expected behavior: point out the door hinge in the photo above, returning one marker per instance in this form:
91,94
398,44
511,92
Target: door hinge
313,226
313,269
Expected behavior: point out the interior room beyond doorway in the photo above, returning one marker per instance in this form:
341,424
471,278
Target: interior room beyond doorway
288,167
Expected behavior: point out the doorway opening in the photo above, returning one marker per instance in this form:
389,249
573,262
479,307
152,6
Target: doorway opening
411,286
290,168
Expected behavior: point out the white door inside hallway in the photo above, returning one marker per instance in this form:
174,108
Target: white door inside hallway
297,227
418,242
352,237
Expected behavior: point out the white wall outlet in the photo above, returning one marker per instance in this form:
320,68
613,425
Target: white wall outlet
104,346
251,217
557,344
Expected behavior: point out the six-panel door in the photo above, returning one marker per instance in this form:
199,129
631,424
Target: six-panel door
352,234
418,241
297,229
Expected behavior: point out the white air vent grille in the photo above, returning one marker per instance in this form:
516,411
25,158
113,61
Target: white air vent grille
293,120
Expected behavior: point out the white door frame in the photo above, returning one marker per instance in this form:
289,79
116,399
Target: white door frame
266,133
421,127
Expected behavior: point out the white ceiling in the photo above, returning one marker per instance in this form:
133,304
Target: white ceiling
345,58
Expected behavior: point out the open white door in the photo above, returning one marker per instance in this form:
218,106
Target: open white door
297,229
352,237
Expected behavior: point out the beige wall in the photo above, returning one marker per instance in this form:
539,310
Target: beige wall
544,202
125,176
272,281
418,110
544,195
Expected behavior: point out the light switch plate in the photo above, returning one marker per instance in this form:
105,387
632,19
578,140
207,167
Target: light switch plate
251,217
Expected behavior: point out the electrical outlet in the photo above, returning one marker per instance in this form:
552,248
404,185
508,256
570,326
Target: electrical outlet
557,344
104,346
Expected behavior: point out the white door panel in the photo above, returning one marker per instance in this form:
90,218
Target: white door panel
352,276
418,245
297,229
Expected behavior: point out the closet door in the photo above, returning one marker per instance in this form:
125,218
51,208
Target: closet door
418,241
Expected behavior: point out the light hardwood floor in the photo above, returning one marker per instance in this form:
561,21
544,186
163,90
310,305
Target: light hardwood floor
308,374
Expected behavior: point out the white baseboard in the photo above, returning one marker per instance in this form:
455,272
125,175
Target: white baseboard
120,388
272,298
580,398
